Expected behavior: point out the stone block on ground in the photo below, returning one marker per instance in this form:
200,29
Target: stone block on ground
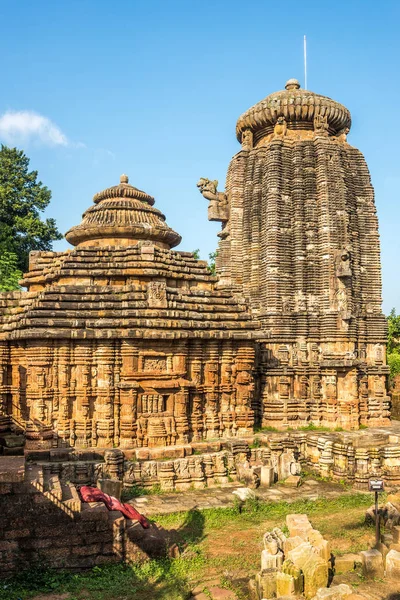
396,534
266,583
293,481
267,476
289,568
271,561
301,554
291,543
298,525
315,571
318,542
392,569
372,564
347,562
244,494
336,592
285,585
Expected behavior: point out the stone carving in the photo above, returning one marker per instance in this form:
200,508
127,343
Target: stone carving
218,208
321,125
247,139
343,264
280,128
157,294
155,363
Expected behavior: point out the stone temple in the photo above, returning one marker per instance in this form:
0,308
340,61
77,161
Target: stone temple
125,342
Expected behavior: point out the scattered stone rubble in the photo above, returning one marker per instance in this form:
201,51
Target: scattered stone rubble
293,565
301,564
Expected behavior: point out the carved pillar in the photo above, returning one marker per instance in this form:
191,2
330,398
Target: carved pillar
103,417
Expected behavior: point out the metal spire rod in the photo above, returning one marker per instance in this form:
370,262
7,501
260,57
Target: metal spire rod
305,62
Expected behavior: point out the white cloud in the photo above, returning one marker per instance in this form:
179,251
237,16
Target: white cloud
25,126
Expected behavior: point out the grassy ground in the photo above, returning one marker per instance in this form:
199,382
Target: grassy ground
217,544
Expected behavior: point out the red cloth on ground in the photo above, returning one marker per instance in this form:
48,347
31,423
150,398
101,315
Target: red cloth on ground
92,494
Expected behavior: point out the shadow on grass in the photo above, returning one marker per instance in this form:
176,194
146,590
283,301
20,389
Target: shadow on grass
192,529
158,579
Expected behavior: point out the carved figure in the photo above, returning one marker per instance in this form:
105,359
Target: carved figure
218,209
321,125
280,127
247,139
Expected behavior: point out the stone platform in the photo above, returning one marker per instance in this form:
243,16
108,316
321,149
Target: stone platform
223,497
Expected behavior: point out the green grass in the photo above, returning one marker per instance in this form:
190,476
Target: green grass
217,541
135,491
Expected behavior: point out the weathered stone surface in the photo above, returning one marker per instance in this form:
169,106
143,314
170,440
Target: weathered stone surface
347,562
372,564
266,583
112,487
244,494
298,525
392,566
285,585
315,571
267,476
336,592
291,543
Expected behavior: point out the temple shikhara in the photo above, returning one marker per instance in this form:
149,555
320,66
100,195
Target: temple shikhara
125,342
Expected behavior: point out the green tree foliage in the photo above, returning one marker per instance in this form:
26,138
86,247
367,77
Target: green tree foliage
393,347
9,272
22,199
211,265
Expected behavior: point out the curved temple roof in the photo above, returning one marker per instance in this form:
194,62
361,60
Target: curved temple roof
121,216
298,107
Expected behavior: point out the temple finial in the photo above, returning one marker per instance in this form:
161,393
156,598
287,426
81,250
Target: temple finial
292,84
124,178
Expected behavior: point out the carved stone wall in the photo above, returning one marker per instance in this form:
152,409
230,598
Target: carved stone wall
129,393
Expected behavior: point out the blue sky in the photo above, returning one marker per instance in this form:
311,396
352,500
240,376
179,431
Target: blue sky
154,88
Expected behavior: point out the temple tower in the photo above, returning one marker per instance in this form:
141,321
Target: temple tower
300,243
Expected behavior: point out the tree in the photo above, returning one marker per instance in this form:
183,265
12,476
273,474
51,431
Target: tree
211,265
9,272
22,199
393,346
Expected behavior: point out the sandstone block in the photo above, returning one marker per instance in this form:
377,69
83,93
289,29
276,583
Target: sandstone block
291,543
267,476
396,534
301,554
298,525
346,563
271,561
293,481
392,570
266,583
112,487
336,592
315,571
372,564
284,585
244,494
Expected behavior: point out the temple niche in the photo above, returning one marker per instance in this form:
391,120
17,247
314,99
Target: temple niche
300,245
123,341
